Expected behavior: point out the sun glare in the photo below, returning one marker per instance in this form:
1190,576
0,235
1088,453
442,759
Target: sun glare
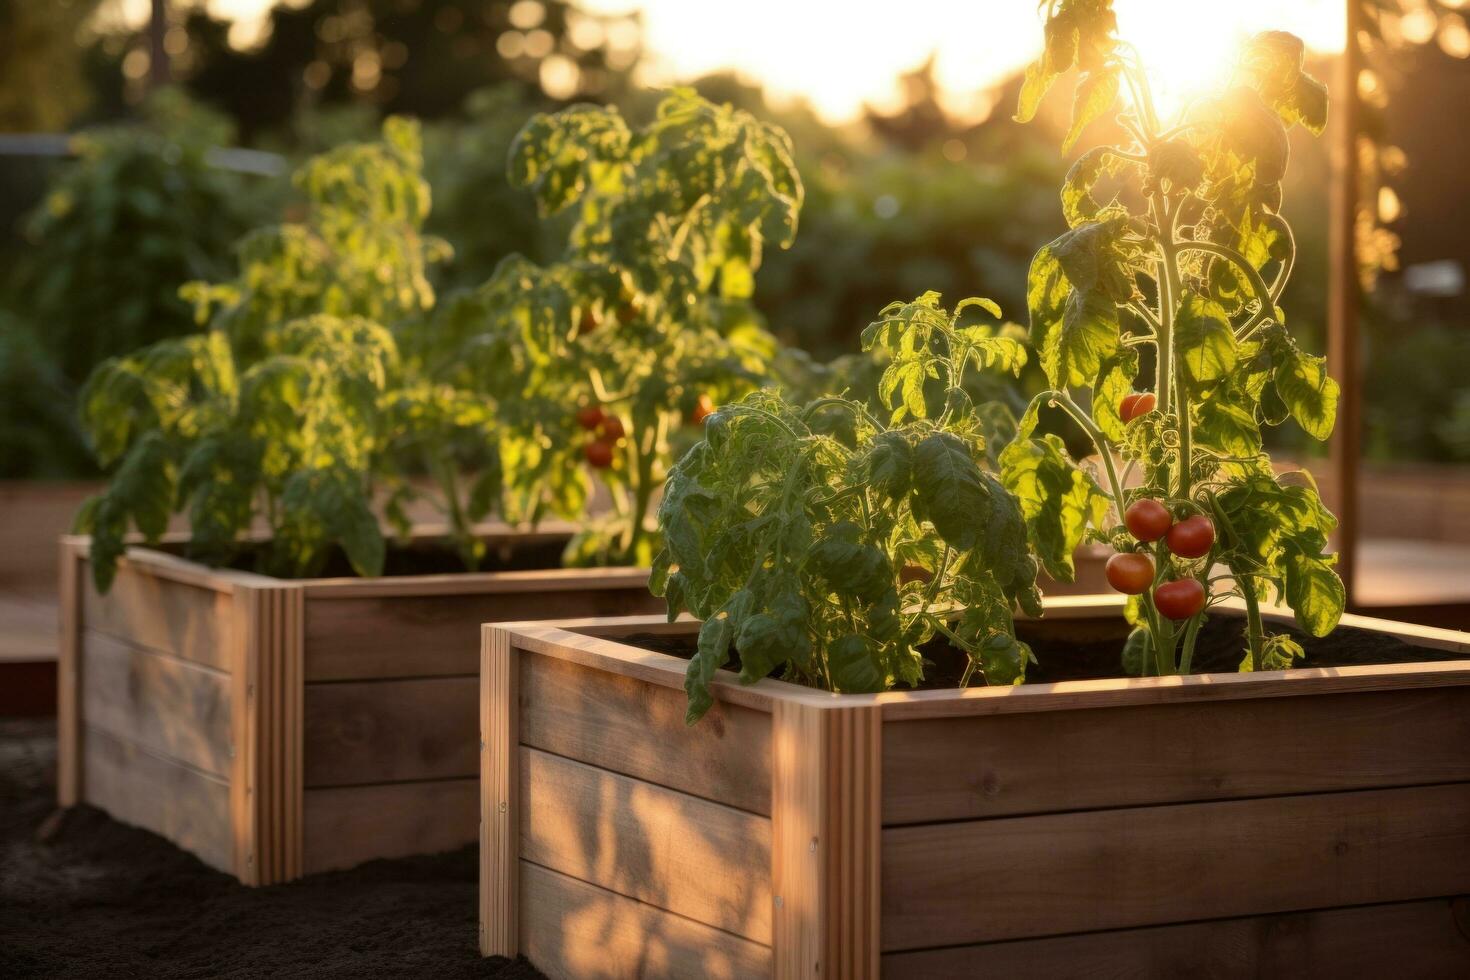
1180,73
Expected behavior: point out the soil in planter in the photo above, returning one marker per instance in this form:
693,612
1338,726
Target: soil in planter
1089,649
428,557
84,896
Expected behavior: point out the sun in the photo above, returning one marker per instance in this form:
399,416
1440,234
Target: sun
1180,73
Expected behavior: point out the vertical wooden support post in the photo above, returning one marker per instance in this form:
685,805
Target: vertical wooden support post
1343,354
500,784
826,836
69,790
267,688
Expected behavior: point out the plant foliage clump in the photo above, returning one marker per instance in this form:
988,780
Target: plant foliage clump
1175,260
597,361
292,408
829,545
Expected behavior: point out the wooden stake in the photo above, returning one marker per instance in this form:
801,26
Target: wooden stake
1343,354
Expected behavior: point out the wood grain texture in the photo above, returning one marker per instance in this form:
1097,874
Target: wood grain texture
574,930
1412,940
700,860
137,787
343,826
172,707
636,728
266,700
499,794
160,614
69,789
825,826
434,635
386,731
967,768
985,880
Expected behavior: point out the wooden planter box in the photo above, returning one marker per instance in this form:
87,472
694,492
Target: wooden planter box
1306,823
277,728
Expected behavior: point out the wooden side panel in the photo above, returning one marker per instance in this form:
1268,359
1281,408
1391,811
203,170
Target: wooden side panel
967,768
700,860
385,731
826,860
181,620
984,880
576,930
189,807
637,729
69,678
499,797
172,707
266,641
347,825
1409,940
437,635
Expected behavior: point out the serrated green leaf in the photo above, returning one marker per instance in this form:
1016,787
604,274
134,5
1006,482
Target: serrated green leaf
950,489
1204,340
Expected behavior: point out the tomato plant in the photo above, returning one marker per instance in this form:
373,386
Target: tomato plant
1175,260
295,405
831,552
669,225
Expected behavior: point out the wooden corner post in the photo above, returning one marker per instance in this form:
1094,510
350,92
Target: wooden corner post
267,687
69,677
826,827
500,784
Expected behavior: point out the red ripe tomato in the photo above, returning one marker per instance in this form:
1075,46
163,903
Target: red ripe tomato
589,322
914,573
1191,537
1136,404
703,408
612,428
1130,573
1179,600
1147,519
590,417
599,454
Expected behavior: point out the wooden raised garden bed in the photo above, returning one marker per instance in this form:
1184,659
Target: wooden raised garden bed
276,728
1311,822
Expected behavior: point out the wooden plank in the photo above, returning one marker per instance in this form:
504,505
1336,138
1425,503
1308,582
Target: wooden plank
1407,939
69,791
499,801
987,766
387,731
575,930
181,620
1014,877
189,807
173,707
347,825
825,861
464,583
636,728
435,635
700,860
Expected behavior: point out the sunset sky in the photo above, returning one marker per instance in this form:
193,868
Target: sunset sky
840,54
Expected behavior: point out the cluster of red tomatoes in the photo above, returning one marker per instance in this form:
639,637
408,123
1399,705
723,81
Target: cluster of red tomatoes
1132,572
609,430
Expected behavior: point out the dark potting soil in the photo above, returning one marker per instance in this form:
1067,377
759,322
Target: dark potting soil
1088,649
429,557
84,896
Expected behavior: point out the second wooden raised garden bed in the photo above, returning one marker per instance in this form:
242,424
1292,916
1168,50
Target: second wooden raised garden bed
1311,822
275,728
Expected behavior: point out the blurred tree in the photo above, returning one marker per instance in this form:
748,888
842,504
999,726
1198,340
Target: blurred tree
39,434
42,83
417,57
